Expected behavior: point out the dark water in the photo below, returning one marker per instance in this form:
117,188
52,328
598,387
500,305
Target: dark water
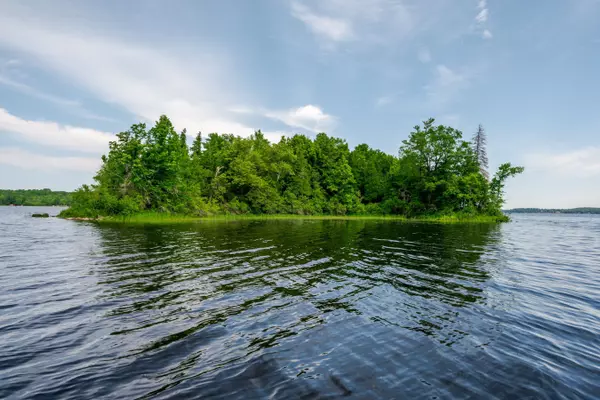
299,309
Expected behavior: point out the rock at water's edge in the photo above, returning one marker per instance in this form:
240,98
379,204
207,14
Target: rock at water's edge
43,215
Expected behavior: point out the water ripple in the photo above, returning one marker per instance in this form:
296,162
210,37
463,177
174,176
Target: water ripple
299,309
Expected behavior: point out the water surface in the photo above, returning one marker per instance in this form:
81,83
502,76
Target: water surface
299,309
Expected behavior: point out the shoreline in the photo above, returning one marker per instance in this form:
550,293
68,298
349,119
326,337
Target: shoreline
157,218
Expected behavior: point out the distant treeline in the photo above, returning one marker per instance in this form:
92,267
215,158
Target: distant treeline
580,210
34,197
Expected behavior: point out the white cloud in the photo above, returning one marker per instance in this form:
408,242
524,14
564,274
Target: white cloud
241,110
275,137
446,77
482,16
26,89
10,68
583,162
558,179
12,62
384,100
27,160
481,20
445,85
55,135
369,21
424,55
68,104
331,28
308,117
192,87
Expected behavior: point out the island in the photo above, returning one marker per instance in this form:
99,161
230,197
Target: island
34,197
151,174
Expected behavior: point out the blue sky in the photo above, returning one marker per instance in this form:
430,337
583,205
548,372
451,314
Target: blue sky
73,73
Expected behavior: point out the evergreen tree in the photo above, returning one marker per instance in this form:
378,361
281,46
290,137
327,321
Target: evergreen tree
479,147
197,145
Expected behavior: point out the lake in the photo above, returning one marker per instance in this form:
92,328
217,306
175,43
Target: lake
299,309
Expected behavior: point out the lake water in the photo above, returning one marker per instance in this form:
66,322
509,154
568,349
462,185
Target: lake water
299,309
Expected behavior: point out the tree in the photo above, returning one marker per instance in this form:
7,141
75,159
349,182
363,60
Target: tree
504,172
479,144
301,188
34,197
197,145
436,172
371,172
435,159
335,173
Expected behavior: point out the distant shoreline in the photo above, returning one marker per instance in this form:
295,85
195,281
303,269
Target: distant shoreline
34,197
578,210
34,205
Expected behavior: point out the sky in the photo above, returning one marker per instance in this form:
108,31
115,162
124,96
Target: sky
74,73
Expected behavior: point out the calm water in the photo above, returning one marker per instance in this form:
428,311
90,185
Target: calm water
299,309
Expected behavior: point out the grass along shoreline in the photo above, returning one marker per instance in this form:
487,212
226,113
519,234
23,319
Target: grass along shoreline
158,218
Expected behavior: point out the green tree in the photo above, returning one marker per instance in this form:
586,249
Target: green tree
34,197
436,161
437,172
498,182
371,170
337,180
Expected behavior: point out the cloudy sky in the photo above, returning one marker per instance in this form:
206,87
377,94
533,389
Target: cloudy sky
72,73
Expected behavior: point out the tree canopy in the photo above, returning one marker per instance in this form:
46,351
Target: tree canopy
34,197
436,172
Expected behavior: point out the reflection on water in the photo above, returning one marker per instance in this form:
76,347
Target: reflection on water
233,290
215,271
289,309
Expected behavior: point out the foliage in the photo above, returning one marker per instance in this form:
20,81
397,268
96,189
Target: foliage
34,197
496,188
436,174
